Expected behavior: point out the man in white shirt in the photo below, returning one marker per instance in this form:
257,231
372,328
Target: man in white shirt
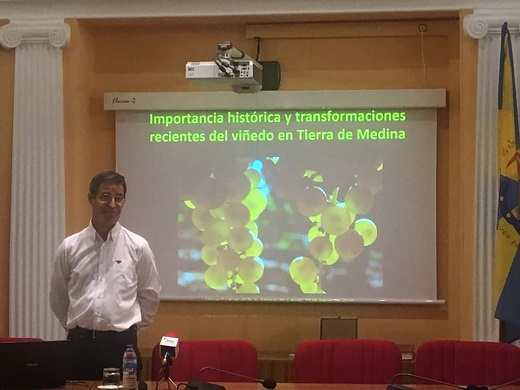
105,283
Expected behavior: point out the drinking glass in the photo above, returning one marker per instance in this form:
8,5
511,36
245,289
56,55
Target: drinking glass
111,378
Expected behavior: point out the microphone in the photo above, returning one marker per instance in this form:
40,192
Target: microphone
169,347
504,384
267,383
394,386
169,350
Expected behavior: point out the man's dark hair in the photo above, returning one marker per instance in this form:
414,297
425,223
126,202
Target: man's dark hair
109,177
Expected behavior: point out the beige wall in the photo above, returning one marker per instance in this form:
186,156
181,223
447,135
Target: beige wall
121,56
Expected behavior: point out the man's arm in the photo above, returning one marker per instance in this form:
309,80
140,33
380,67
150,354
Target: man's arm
148,287
59,294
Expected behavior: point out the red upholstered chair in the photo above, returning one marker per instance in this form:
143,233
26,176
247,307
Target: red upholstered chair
18,339
346,361
238,356
467,362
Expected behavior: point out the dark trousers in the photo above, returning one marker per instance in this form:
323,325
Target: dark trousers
111,345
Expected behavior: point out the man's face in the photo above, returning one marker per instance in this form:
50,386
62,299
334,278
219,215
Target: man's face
107,204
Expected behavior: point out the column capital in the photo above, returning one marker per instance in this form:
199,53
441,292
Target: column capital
484,22
53,31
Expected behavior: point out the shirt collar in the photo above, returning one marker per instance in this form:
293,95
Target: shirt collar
112,234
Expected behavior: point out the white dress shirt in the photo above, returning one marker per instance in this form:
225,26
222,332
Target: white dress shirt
104,285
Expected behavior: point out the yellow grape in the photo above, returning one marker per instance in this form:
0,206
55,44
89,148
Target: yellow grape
359,199
373,180
238,279
256,202
314,232
216,232
209,254
201,218
216,277
250,269
334,256
253,228
240,239
236,214
248,288
218,213
210,194
367,229
254,177
311,201
321,248
303,270
349,245
228,259
309,288
335,220
237,188
255,249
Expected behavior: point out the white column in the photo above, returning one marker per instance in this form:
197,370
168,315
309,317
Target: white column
486,26
37,189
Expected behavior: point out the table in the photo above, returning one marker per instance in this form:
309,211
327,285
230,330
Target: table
280,386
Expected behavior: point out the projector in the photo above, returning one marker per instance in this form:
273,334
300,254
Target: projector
245,78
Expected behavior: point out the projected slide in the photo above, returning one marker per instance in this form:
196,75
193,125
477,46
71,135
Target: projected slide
291,205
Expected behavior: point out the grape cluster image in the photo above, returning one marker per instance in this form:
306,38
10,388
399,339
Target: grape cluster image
230,221
336,231
224,212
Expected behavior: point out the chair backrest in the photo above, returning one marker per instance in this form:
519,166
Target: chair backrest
18,339
467,362
346,361
237,356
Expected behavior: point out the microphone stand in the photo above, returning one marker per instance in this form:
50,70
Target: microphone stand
165,369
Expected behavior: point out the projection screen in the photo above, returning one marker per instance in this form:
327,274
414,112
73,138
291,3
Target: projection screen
285,196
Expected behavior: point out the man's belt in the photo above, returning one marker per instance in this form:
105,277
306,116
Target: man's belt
83,333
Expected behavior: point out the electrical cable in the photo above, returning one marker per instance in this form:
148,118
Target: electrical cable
257,39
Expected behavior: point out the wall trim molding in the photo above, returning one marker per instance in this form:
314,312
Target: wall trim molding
102,9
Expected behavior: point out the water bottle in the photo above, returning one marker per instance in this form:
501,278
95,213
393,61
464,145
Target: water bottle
130,368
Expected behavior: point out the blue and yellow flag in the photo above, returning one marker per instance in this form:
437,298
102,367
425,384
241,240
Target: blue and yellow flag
507,259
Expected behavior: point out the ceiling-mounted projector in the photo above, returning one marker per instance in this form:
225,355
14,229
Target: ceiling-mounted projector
230,67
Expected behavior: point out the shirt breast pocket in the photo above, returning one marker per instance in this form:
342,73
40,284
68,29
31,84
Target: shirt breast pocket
124,277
